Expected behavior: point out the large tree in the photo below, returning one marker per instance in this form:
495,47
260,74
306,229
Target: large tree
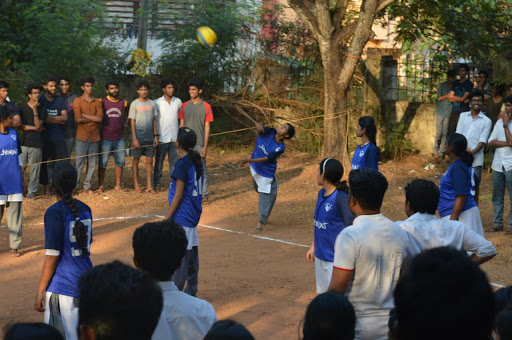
342,28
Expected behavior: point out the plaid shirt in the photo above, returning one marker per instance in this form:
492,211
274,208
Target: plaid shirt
443,108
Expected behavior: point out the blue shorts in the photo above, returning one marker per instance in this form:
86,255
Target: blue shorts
112,146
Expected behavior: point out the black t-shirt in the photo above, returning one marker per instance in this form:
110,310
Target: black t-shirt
31,138
459,89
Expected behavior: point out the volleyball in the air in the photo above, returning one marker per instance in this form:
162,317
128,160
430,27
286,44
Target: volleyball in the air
206,36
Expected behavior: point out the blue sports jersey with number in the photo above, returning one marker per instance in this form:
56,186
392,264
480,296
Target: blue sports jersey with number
10,183
266,146
59,224
332,215
366,156
456,181
189,210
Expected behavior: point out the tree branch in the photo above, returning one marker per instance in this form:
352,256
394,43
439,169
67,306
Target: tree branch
344,33
305,14
323,16
383,4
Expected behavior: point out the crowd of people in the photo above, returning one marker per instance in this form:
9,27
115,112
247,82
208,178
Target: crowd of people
375,278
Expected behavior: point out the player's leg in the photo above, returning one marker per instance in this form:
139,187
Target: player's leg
135,171
323,273
193,272
180,275
161,150
80,151
119,159
14,223
498,194
69,315
92,160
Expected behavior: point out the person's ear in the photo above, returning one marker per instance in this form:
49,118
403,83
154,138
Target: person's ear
86,332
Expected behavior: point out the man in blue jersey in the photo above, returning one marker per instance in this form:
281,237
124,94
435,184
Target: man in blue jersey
269,146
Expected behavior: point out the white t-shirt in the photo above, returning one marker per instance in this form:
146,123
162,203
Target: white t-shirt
374,247
502,156
432,232
183,316
167,123
475,130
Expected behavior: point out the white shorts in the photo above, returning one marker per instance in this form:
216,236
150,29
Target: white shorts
68,312
471,218
323,273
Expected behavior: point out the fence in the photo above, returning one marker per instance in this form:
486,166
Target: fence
417,79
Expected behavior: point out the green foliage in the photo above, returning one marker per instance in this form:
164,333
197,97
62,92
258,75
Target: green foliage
396,144
474,29
226,65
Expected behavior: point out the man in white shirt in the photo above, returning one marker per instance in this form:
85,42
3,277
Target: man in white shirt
167,125
368,256
158,249
501,139
421,199
476,127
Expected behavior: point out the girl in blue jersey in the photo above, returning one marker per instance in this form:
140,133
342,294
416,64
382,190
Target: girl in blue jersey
185,196
332,215
456,201
68,237
367,154
269,146
11,181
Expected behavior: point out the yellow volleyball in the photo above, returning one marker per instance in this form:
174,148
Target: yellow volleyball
206,36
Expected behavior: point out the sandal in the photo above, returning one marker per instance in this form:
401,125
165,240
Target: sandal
153,192
100,190
137,190
120,189
258,228
495,229
15,253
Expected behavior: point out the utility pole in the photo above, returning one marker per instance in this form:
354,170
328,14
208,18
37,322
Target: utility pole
142,39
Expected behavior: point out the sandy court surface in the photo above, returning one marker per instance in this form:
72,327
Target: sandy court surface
262,283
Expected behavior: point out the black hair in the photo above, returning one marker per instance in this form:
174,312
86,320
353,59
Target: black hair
459,146
64,181
228,330
87,80
111,82
464,66
32,331
476,93
451,73
49,79
187,139
368,187
119,302
168,81
499,88
507,99
33,86
423,196
65,79
291,131
368,123
504,324
444,295
196,83
142,83
4,84
159,247
485,72
330,316
503,299
4,113
333,170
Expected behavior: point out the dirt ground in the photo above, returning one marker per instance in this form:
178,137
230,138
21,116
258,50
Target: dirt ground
255,279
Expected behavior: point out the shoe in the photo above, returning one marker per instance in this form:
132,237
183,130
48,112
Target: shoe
495,229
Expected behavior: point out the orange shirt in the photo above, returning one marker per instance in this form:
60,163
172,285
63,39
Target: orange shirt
84,131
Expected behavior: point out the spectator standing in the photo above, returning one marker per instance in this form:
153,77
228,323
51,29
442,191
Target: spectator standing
11,108
484,85
443,112
69,127
88,116
197,115
33,115
495,103
167,124
459,96
113,141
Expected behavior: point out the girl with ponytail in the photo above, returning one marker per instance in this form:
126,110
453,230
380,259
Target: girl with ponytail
456,200
367,154
332,215
68,237
185,196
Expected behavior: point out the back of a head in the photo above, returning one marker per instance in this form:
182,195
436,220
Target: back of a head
329,316
119,302
228,330
504,324
444,295
64,178
503,299
32,331
159,247
368,187
423,196
459,145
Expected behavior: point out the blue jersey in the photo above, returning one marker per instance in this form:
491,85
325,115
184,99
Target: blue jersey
366,156
456,181
266,146
10,182
189,210
59,223
332,215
